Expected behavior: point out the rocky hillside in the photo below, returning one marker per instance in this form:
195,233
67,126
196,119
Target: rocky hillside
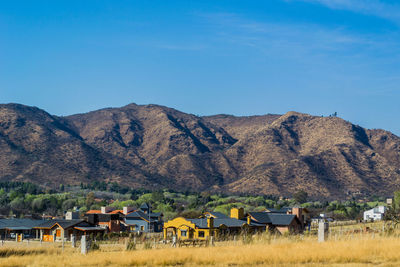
158,147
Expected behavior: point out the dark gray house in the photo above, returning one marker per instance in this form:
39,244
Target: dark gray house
10,227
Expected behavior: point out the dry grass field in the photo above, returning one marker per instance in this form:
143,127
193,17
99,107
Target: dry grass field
355,249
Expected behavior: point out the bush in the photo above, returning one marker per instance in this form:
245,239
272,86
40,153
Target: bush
94,246
131,245
247,239
147,245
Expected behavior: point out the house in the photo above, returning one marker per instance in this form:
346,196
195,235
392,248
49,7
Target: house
53,230
140,222
10,227
212,224
128,219
284,220
107,218
375,214
274,221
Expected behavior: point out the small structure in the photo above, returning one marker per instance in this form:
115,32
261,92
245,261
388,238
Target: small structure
108,218
10,228
284,220
53,230
139,222
375,214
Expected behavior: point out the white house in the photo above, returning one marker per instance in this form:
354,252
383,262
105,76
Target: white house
375,214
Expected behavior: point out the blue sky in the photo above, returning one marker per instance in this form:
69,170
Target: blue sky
205,57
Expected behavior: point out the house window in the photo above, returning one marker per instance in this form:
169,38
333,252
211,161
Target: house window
133,228
184,233
141,228
201,233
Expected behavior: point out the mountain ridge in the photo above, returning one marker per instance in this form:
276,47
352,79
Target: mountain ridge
153,146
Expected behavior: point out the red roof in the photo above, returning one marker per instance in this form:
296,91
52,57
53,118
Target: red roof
93,211
116,211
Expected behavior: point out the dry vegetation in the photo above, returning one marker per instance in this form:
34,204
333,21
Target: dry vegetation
144,146
350,249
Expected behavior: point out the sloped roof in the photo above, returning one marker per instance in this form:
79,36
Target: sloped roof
272,218
141,214
115,212
261,217
93,211
282,219
90,228
134,221
229,222
63,223
217,214
200,223
13,223
144,206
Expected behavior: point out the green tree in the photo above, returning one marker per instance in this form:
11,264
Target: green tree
18,204
300,196
90,199
396,201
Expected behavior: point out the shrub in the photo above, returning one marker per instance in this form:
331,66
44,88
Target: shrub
147,245
94,246
131,245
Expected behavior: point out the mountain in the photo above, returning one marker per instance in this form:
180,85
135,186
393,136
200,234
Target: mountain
153,146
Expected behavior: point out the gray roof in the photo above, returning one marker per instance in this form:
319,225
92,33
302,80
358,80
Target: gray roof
200,223
90,228
63,223
282,219
141,215
272,218
27,224
217,214
144,206
229,222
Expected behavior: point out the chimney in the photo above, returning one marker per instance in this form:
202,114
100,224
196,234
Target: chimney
210,222
299,214
127,210
72,215
237,213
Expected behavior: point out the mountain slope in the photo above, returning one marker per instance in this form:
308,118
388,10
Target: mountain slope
157,147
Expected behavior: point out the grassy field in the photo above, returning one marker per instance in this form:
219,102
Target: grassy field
355,249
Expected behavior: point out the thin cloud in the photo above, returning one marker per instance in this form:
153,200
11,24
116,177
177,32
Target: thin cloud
305,38
375,8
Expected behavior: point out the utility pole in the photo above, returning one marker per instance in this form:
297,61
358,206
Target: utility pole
149,219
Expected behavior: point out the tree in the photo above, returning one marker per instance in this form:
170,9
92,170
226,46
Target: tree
90,199
396,201
68,204
300,197
393,212
17,204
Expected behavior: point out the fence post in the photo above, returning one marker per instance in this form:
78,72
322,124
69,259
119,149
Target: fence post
174,241
84,248
73,241
323,228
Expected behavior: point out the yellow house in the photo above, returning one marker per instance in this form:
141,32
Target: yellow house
214,224
190,228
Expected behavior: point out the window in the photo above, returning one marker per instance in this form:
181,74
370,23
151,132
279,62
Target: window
141,228
201,233
184,233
